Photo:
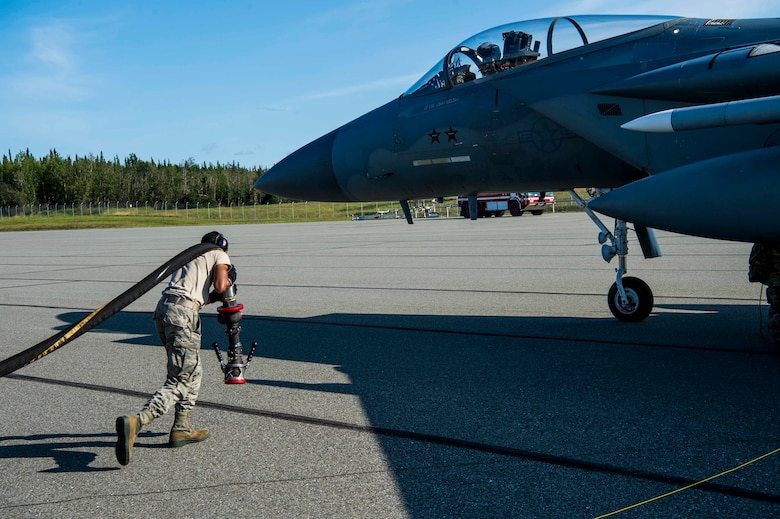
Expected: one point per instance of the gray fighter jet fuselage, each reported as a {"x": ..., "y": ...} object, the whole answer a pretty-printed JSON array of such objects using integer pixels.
[{"x": 661, "y": 115}]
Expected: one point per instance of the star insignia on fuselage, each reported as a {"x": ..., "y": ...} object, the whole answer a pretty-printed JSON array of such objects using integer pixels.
[
  {"x": 451, "y": 135},
  {"x": 547, "y": 135},
  {"x": 434, "y": 135}
]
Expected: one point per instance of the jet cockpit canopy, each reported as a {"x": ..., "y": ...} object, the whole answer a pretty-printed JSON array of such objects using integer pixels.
[{"x": 508, "y": 46}]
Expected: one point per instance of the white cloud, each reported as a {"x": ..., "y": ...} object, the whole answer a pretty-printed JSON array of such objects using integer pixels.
[
  {"x": 51, "y": 45},
  {"x": 53, "y": 68},
  {"x": 369, "y": 86}
]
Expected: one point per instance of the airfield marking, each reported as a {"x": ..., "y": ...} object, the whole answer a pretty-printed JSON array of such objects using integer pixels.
[{"x": 551, "y": 459}]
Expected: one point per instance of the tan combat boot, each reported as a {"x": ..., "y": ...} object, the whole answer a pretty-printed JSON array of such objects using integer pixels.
[
  {"x": 127, "y": 429},
  {"x": 181, "y": 434}
]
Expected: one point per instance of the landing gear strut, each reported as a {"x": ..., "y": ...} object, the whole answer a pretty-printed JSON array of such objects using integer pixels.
[{"x": 630, "y": 299}]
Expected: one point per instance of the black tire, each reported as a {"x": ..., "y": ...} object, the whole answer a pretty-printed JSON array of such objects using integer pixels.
[
  {"x": 514, "y": 208},
  {"x": 536, "y": 213},
  {"x": 640, "y": 301},
  {"x": 464, "y": 210}
]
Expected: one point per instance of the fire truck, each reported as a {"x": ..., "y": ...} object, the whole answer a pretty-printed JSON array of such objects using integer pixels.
[{"x": 516, "y": 203}]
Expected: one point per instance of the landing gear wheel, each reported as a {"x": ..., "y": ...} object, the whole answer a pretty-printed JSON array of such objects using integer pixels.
[{"x": 640, "y": 300}]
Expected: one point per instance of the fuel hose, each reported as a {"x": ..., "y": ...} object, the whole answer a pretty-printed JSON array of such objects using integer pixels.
[{"x": 62, "y": 338}]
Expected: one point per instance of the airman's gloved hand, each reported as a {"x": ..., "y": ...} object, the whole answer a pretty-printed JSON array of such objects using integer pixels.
[{"x": 214, "y": 296}]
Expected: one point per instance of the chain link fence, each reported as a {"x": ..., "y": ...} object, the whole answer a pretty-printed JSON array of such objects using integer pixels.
[{"x": 287, "y": 211}]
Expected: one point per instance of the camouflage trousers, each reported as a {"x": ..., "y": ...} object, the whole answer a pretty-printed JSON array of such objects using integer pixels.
[
  {"x": 773, "y": 298},
  {"x": 179, "y": 330}
]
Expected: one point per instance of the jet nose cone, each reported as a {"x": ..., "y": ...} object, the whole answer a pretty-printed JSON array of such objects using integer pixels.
[{"x": 306, "y": 174}]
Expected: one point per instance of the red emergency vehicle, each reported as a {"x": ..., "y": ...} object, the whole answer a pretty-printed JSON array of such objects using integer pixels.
[{"x": 516, "y": 203}]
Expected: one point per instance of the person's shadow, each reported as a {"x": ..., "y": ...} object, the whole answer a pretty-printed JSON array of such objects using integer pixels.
[{"x": 61, "y": 449}]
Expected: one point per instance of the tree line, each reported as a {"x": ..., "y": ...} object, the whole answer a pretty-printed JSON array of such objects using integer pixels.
[{"x": 53, "y": 178}]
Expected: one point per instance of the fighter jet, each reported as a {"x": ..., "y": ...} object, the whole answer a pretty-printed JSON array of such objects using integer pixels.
[{"x": 661, "y": 118}]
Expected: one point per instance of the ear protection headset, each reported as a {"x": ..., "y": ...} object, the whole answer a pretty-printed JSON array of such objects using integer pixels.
[{"x": 217, "y": 239}]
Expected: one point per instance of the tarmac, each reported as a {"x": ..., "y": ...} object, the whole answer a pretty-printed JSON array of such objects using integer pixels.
[{"x": 451, "y": 368}]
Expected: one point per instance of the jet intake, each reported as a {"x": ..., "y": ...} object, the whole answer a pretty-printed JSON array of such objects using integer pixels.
[{"x": 733, "y": 197}]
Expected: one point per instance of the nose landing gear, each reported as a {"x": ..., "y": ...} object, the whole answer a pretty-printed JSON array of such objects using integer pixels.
[{"x": 630, "y": 299}]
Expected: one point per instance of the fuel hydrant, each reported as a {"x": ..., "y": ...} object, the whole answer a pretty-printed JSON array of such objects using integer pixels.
[{"x": 230, "y": 314}]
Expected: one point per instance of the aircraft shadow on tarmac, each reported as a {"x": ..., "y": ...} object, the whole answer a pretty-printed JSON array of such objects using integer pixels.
[
  {"x": 589, "y": 391},
  {"x": 680, "y": 325},
  {"x": 607, "y": 401}
]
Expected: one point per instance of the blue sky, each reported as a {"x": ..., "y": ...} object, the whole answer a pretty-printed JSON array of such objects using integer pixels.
[{"x": 238, "y": 80}]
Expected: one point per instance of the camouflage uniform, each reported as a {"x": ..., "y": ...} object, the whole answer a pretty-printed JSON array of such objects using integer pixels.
[
  {"x": 177, "y": 320},
  {"x": 764, "y": 267},
  {"x": 179, "y": 330}
]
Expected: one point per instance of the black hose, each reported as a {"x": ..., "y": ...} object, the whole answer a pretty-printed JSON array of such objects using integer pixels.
[{"x": 62, "y": 338}]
